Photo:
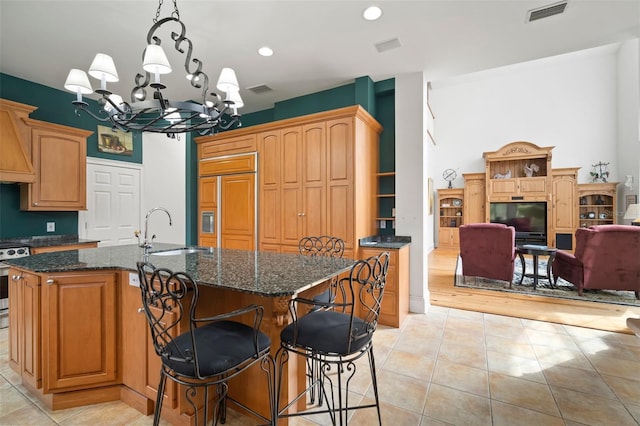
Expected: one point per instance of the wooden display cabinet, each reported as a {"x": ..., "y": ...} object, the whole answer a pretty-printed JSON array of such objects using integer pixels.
[
  {"x": 562, "y": 223},
  {"x": 506, "y": 173},
  {"x": 597, "y": 204},
  {"x": 450, "y": 205}
]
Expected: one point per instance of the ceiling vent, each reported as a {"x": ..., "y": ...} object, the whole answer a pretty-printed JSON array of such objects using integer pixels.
[
  {"x": 260, "y": 88},
  {"x": 383, "y": 46},
  {"x": 546, "y": 11}
]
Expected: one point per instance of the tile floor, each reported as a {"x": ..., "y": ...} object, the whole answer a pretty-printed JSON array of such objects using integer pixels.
[{"x": 447, "y": 367}]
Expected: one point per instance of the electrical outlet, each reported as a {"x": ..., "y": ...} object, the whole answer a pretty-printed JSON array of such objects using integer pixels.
[
  {"x": 51, "y": 227},
  {"x": 134, "y": 280}
]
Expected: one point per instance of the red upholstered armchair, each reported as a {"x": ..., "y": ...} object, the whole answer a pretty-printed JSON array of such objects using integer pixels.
[
  {"x": 488, "y": 250},
  {"x": 607, "y": 257}
]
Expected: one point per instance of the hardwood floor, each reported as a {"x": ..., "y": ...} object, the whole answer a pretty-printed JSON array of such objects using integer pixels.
[{"x": 601, "y": 316}]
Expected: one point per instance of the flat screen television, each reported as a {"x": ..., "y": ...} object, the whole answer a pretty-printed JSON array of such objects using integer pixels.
[{"x": 528, "y": 218}]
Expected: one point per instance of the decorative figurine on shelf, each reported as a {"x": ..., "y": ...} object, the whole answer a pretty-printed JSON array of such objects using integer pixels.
[
  {"x": 504, "y": 176},
  {"x": 530, "y": 170},
  {"x": 600, "y": 172}
]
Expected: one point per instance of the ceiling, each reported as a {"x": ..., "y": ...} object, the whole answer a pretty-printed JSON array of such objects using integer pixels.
[{"x": 318, "y": 44}]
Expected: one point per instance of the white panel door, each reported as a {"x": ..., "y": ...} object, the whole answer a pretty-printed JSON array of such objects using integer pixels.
[{"x": 114, "y": 202}]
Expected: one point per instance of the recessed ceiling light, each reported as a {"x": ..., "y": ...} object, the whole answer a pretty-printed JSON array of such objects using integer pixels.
[
  {"x": 265, "y": 51},
  {"x": 372, "y": 13}
]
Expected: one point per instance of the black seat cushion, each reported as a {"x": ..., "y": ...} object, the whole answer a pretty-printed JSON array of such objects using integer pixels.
[
  {"x": 326, "y": 332},
  {"x": 221, "y": 346}
]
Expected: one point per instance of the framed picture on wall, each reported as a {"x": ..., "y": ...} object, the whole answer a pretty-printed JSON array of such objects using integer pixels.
[
  {"x": 114, "y": 141},
  {"x": 630, "y": 199}
]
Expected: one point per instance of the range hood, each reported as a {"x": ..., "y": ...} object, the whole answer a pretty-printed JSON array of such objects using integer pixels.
[{"x": 15, "y": 149}]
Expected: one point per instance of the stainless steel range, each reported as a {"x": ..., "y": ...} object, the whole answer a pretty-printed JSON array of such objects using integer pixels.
[{"x": 7, "y": 251}]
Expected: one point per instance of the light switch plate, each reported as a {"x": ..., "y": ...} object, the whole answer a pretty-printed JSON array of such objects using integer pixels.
[
  {"x": 134, "y": 280},
  {"x": 51, "y": 227}
]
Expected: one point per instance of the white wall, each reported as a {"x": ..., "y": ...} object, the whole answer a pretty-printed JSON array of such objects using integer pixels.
[
  {"x": 411, "y": 184},
  {"x": 628, "y": 120},
  {"x": 163, "y": 185},
  {"x": 568, "y": 101}
]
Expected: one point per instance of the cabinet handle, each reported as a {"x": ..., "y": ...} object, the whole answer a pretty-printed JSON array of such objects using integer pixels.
[
  {"x": 35, "y": 204},
  {"x": 140, "y": 310},
  {"x": 50, "y": 281},
  {"x": 16, "y": 277}
]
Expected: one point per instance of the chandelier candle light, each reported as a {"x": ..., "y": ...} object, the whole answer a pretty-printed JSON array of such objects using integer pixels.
[{"x": 159, "y": 114}]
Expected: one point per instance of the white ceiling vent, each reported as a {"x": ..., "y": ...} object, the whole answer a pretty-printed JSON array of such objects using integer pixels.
[
  {"x": 383, "y": 46},
  {"x": 546, "y": 11},
  {"x": 260, "y": 88}
]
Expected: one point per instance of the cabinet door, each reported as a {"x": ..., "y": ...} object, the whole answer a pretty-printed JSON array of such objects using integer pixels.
[
  {"x": 24, "y": 326},
  {"x": 474, "y": 201},
  {"x": 314, "y": 180},
  {"x": 340, "y": 186},
  {"x": 564, "y": 196},
  {"x": 79, "y": 326},
  {"x": 269, "y": 193},
  {"x": 291, "y": 185},
  {"x": 59, "y": 157},
  {"x": 237, "y": 213},
  {"x": 207, "y": 211}
]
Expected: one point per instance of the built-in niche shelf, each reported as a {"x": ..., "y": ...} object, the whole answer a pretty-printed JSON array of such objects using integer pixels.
[{"x": 386, "y": 196}]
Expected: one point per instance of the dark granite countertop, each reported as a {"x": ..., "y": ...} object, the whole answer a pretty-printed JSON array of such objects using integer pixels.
[
  {"x": 44, "y": 241},
  {"x": 385, "y": 241},
  {"x": 263, "y": 273}
]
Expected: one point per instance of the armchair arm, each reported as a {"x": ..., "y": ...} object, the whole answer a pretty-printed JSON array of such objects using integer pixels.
[{"x": 563, "y": 256}]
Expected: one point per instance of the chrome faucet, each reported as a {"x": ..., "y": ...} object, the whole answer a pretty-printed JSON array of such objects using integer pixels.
[{"x": 146, "y": 243}]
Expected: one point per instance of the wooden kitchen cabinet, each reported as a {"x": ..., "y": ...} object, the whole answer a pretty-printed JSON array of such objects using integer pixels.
[
  {"x": 317, "y": 176},
  {"x": 79, "y": 330},
  {"x": 24, "y": 327},
  {"x": 58, "y": 156},
  {"x": 395, "y": 301},
  {"x": 15, "y": 162}
]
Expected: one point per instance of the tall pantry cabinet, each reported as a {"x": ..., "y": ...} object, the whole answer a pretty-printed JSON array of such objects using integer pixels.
[{"x": 316, "y": 176}]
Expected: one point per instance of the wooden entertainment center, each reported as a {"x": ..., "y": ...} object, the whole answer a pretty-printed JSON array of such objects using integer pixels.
[{"x": 521, "y": 172}]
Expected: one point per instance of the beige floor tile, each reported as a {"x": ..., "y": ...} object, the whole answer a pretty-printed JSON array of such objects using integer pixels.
[
  {"x": 511, "y": 415},
  {"x": 555, "y": 340},
  {"x": 104, "y": 414},
  {"x": 423, "y": 346},
  {"x": 457, "y": 407},
  {"x": 590, "y": 409},
  {"x": 634, "y": 409},
  {"x": 465, "y": 337},
  {"x": 518, "y": 346},
  {"x": 579, "y": 380},
  {"x": 616, "y": 367},
  {"x": 12, "y": 400},
  {"x": 516, "y": 366},
  {"x": 544, "y": 326},
  {"x": 627, "y": 390},
  {"x": 410, "y": 365},
  {"x": 401, "y": 391},
  {"x": 496, "y": 320},
  {"x": 472, "y": 356},
  {"x": 428, "y": 421},
  {"x": 550, "y": 357},
  {"x": 391, "y": 415},
  {"x": 522, "y": 393},
  {"x": 469, "y": 315},
  {"x": 26, "y": 415},
  {"x": 506, "y": 331},
  {"x": 609, "y": 348},
  {"x": 462, "y": 324},
  {"x": 461, "y": 377}
]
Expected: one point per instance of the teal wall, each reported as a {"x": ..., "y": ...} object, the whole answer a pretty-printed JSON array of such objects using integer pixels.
[{"x": 55, "y": 106}]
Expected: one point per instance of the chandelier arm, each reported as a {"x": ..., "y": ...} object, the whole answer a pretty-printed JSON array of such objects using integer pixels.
[{"x": 85, "y": 107}]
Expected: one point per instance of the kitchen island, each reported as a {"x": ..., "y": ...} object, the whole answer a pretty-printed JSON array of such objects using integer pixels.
[{"x": 76, "y": 335}]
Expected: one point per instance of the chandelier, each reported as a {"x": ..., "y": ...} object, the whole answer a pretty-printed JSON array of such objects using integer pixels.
[{"x": 157, "y": 113}]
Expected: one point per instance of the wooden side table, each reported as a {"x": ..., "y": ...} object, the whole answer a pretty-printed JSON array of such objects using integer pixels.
[{"x": 536, "y": 251}]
